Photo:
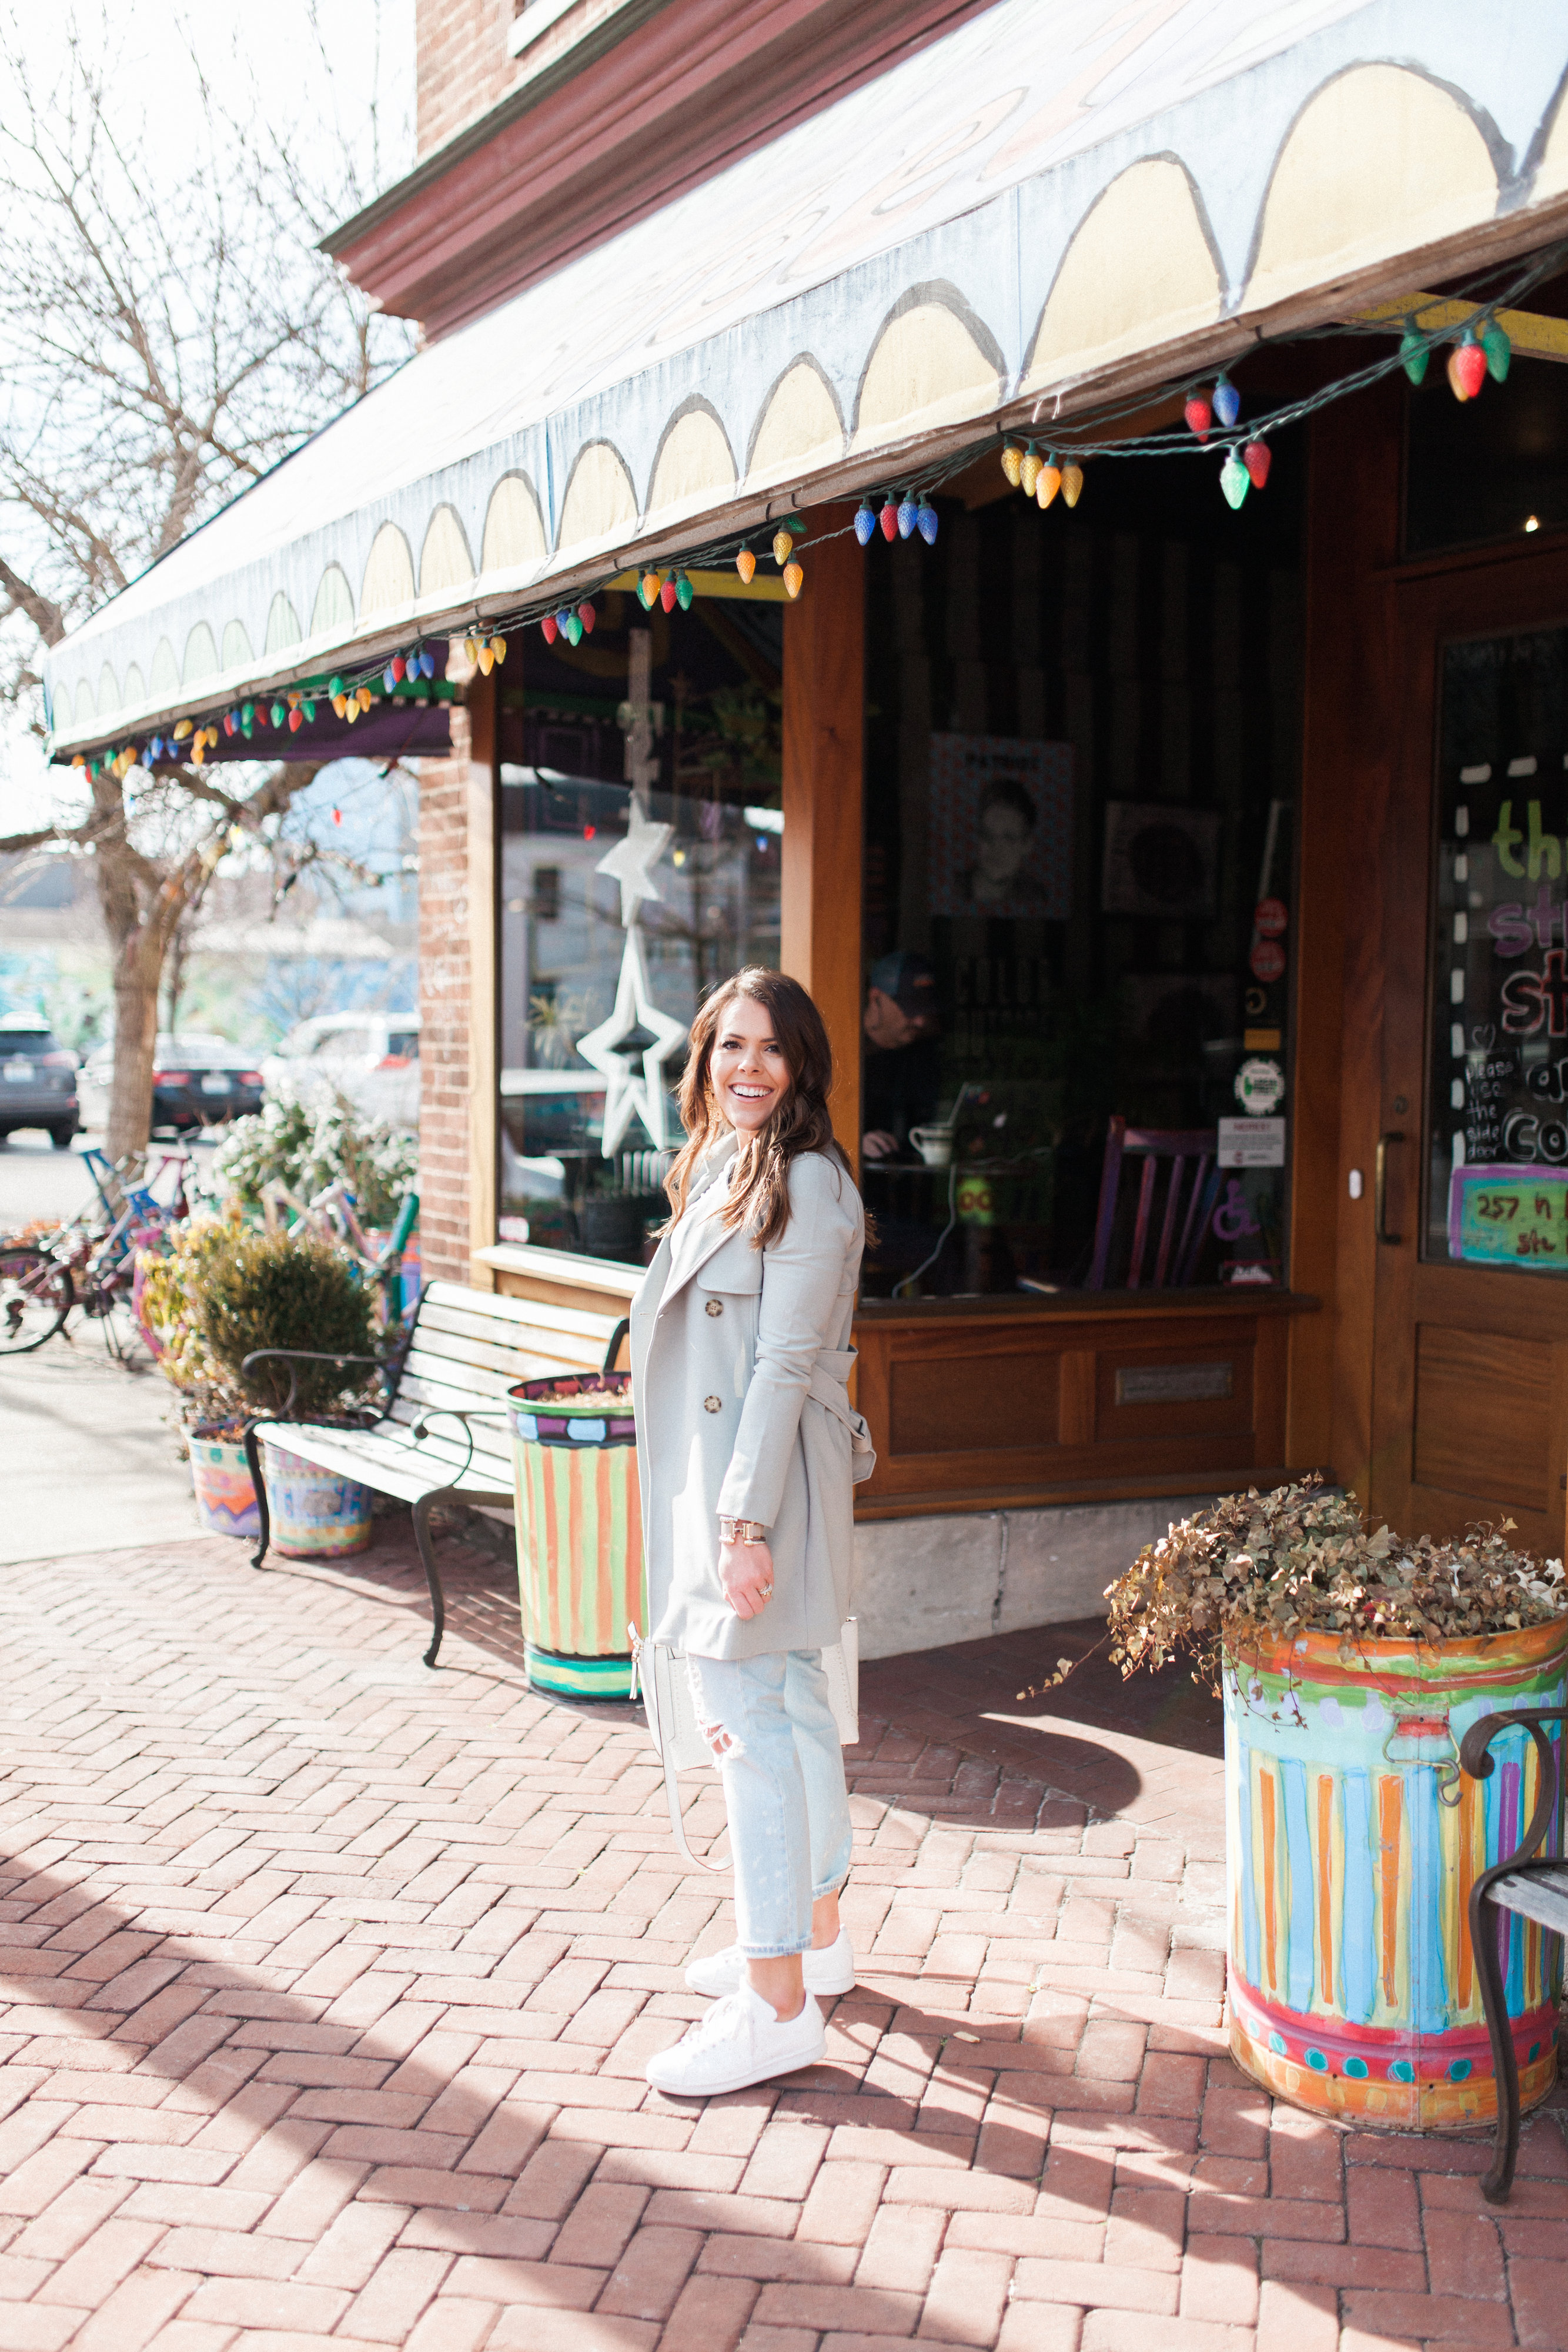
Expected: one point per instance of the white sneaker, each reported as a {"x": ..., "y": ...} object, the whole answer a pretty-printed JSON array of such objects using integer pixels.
[
  {"x": 740, "y": 2041},
  {"x": 831, "y": 1971}
]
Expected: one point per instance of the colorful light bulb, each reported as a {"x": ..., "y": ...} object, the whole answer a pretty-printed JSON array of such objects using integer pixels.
[
  {"x": 888, "y": 518},
  {"x": 865, "y": 522},
  {"x": 574, "y": 628},
  {"x": 1414, "y": 353},
  {"x": 746, "y": 564},
  {"x": 388, "y": 679},
  {"x": 182, "y": 728},
  {"x": 929, "y": 520},
  {"x": 399, "y": 669},
  {"x": 309, "y": 708},
  {"x": 296, "y": 720},
  {"x": 426, "y": 662},
  {"x": 486, "y": 657},
  {"x": 1227, "y": 401},
  {"x": 1048, "y": 484},
  {"x": 685, "y": 591},
  {"x": 783, "y": 540},
  {"x": 794, "y": 579},
  {"x": 550, "y": 628},
  {"x": 1258, "y": 457},
  {"x": 1498, "y": 350},
  {"x": 498, "y": 647},
  {"x": 231, "y": 722},
  {"x": 1012, "y": 462},
  {"x": 1199, "y": 413},
  {"x": 587, "y": 615},
  {"x": 648, "y": 589},
  {"x": 668, "y": 592},
  {"x": 908, "y": 514},
  {"x": 1029, "y": 471},
  {"x": 1071, "y": 482},
  {"x": 1234, "y": 478},
  {"x": 1466, "y": 368},
  {"x": 279, "y": 713}
]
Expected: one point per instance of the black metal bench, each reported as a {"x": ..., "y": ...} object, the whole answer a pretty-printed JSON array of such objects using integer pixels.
[
  {"x": 1530, "y": 1885},
  {"x": 439, "y": 1435}
]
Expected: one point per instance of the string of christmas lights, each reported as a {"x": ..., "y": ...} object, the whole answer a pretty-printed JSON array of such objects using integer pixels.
[{"x": 1478, "y": 348}]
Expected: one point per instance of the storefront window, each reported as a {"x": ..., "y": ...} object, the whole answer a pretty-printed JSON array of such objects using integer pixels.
[
  {"x": 652, "y": 748},
  {"x": 1497, "y": 1100},
  {"x": 1082, "y": 735}
]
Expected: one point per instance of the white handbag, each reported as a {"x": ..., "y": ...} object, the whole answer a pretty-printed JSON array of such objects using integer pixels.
[{"x": 659, "y": 1670}]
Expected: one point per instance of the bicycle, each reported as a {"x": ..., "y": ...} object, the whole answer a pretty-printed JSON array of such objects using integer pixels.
[
  {"x": 88, "y": 1264},
  {"x": 332, "y": 1216}
]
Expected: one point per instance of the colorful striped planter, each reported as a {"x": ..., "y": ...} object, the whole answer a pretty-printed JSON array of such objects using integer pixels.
[
  {"x": 579, "y": 1534},
  {"x": 226, "y": 1497},
  {"x": 1352, "y": 1843},
  {"x": 315, "y": 1515}
]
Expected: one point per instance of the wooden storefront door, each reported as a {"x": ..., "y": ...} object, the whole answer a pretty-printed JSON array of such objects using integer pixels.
[{"x": 1469, "y": 1403}]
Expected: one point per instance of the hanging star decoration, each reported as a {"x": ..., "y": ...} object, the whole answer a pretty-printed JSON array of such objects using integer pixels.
[
  {"x": 608, "y": 1049},
  {"x": 632, "y": 860}
]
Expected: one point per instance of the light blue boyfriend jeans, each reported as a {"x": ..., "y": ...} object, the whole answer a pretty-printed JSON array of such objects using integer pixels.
[{"x": 783, "y": 1774}]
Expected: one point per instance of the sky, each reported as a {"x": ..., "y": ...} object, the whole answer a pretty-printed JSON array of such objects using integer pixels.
[{"x": 363, "y": 95}]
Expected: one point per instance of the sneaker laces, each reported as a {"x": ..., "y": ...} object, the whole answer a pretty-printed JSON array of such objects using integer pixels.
[{"x": 721, "y": 2022}]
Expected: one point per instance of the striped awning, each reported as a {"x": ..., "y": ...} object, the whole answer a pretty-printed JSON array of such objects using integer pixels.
[{"x": 1046, "y": 200}]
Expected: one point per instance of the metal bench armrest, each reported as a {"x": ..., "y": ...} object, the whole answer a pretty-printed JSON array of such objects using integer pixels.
[
  {"x": 464, "y": 1413},
  {"x": 1476, "y": 1759}
]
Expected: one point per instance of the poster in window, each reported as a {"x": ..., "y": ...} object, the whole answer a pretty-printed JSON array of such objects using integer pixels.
[
  {"x": 1160, "y": 860},
  {"x": 1001, "y": 827}
]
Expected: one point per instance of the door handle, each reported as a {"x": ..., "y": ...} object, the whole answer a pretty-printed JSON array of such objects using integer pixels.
[{"x": 1379, "y": 1186}]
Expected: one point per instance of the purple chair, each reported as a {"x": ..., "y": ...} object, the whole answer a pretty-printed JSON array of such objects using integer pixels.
[{"x": 1189, "y": 1154}]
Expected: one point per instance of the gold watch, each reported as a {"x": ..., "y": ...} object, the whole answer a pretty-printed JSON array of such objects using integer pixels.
[{"x": 746, "y": 1531}]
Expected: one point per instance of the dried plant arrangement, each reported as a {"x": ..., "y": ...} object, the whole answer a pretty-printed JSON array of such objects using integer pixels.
[{"x": 1254, "y": 1571}]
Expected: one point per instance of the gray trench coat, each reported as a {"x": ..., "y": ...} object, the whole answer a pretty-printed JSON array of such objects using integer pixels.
[{"x": 739, "y": 1360}]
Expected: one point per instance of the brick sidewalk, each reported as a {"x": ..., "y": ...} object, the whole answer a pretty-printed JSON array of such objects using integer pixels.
[{"x": 331, "y": 1982}]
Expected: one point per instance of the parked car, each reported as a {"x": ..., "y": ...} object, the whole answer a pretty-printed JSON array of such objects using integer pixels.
[
  {"x": 37, "y": 1080},
  {"x": 198, "y": 1080},
  {"x": 372, "y": 1059}
]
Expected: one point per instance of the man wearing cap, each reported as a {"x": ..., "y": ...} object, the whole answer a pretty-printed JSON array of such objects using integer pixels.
[{"x": 901, "y": 1073}]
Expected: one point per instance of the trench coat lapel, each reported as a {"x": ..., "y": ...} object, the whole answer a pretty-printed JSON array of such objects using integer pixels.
[{"x": 698, "y": 1236}]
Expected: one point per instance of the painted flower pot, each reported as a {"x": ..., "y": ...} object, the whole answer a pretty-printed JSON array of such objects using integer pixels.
[
  {"x": 1353, "y": 1841},
  {"x": 316, "y": 1514},
  {"x": 579, "y": 1532},
  {"x": 226, "y": 1497}
]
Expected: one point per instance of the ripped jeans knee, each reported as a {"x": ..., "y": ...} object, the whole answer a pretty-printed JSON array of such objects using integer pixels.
[{"x": 768, "y": 1727}]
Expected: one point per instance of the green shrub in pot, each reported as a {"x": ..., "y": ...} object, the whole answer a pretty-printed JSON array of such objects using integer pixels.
[{"x": 273, "y": 1290}]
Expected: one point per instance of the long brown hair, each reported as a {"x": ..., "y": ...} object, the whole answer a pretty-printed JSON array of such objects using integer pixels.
[{"x": 759, "y": 1189}]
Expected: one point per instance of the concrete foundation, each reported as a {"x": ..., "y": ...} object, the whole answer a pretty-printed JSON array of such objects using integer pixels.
[{"x": 921, "y": 1583}]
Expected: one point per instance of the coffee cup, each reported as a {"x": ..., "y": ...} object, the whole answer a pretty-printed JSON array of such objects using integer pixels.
[{"x": 935, "y": 1145}]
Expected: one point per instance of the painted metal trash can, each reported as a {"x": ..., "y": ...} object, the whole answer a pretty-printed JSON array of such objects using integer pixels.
[
  {"x": 579, "y": 1530},
  {"x": 316, "y": 1514},
  {"x": 220, "y": 1479},
  {"x": 1352, "y": 1843}
]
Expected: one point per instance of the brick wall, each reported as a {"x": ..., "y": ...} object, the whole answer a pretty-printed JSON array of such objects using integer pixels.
[
  {"x": 444, "y": 1007},
  {"x": 463, "y": 65}
]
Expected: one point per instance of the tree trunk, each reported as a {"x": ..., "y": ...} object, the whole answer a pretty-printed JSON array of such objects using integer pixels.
[{"x": 136, "y": 977}]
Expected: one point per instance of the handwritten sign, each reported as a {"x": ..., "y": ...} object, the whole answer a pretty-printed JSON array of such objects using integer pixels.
[{"x": 1510, "y": 1216}]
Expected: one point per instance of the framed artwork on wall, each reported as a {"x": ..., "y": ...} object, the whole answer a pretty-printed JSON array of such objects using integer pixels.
[{"x": 1001, "y": 827}]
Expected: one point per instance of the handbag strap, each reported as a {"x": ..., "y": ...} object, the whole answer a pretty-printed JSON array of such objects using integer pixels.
[{"x": 665, "y": 1746}]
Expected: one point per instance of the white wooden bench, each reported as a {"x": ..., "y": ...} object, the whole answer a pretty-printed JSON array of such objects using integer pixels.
[
  {"x": 1532, "y": 1885},
  {"x": 442, "y": 1436}
]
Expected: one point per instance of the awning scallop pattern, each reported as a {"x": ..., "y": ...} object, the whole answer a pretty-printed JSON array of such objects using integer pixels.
[{"x": 999, "y": 216}]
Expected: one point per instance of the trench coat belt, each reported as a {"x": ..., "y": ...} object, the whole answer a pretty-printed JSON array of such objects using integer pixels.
[{"x": 828, "y": 1387}]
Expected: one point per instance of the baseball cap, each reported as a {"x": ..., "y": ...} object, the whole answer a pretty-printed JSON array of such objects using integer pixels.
[{"x": 908, "y": 980}]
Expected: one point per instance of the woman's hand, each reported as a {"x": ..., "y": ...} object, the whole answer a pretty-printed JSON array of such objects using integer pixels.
[{"x": 746, "y": 1577}]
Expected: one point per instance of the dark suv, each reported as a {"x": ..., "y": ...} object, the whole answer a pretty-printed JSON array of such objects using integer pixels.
[{"x": 38, "y": 1081}]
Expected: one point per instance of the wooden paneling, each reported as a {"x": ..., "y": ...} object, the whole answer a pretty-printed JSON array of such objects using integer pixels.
[
  {"x": 1482, "y": 1415},
  {"x": 939, "y": 1403},
  {"x": 1012, "y": 1401},
  {"x": 824, "y": 722},
  {"x": 1348, "y": 746}
]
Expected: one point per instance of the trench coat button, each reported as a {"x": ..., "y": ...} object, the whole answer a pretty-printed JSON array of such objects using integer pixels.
[
  {"x": 716, "y": 1306},
  {"x": 712, "y": 1405}
]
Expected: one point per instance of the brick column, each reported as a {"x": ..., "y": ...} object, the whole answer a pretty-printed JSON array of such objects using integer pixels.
[{"x": 444, "y": 979}]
